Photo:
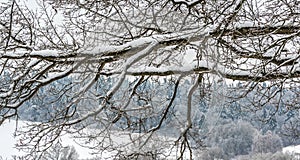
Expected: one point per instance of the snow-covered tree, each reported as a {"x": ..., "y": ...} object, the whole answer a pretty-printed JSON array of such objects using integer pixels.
[
  {"x": 235, "y": 138},
  {"x": 291, "y": 131},
  {"x": 212, "y": 154},
  {"x": 136, "y": 42},
  {"x": 267, "y": 143}
]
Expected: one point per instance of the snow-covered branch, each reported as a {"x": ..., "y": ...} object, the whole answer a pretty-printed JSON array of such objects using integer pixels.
[{"x": 103, "y": 63}]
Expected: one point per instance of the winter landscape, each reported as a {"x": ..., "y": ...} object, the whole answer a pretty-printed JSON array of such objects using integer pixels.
[{"x": 148, "y": 79}]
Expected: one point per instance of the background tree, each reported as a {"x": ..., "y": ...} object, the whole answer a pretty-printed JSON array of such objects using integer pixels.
[
  {"x": 267, "y": 143},
  {"x": 233, "y": 138}
]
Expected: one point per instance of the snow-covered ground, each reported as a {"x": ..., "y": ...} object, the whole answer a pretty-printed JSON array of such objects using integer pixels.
[
  {"x": 8, "y": 150},
  {"x": 7, "y": 142},
  {"x": 294, "y": 150}
]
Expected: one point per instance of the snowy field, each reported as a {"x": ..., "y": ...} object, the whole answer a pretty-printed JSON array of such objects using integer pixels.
[
  {"x": 7, "y": 142},
  {"x": 294, "y": 150},
  {"x": 8, "y": 150}
]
